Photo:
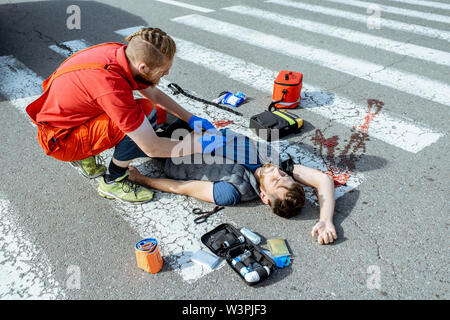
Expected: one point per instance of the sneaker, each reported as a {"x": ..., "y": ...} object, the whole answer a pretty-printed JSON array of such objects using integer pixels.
[
  {"x": 124, "y": 190},
  {"x": 91, "y": 167}
]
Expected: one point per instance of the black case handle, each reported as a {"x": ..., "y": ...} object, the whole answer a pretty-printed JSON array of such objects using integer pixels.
[{"x": 272, "y": 105}]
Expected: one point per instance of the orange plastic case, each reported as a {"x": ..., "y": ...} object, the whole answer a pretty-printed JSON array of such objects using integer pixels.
[{"x": 287, "y": 89}]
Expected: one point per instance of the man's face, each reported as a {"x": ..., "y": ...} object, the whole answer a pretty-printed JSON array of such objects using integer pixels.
[
  {"x": 274, "y": 182},
  {"x": 152, "y": 77}
]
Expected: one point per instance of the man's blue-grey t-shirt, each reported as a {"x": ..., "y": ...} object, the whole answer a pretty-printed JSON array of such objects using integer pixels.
[{"x": 225, "y": 193}]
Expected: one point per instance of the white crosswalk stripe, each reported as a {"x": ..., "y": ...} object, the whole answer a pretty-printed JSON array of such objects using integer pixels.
[
  {"x": 127, "y": 31},
  {"x": 361, "y": 18},
  {"x": 69, "y": 47},
  {"x": 19, "y": 85},
  {"x": 410, "y": 83},
  {"x": 66, "y": 49},
  {"x": 430, "y": 4},
  {"x": 186, "y": 5},
  {"x": 25, "y": 271},
  {"x": 395, "y": 10},
  {"x": 401, "y": 48}
]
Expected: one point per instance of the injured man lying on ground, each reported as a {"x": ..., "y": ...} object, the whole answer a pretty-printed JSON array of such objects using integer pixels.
[{"x": 241, "y": 169}]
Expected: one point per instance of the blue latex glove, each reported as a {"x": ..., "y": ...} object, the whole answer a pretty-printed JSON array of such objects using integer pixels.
[
  {"x": 197, "y": 124},
  {"x": 211, "y": 142}
]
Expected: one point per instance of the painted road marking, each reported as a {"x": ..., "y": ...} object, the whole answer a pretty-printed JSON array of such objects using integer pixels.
[
  {"x": 25, "y": 270},
  {"x": 127, "y": 31},
  {"x": 19, "y": 84},
  {"x": 66, "y": 49},
  {"x": 395, "y": 10},
  {"x": 361, "y": 18},
  {"x": 402, "y": 48},
  {"x": 186, "y": 5},
  {"x": 431, "y": 4},
  {"x": 69, "y": 47},
  {"x": 399, "y": 132},
  {"x": 410, "y": 83}
]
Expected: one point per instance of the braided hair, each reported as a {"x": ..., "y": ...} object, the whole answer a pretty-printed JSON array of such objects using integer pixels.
[{"x": 150, "y": 45}]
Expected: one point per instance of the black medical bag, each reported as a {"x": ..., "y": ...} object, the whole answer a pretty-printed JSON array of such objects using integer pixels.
[
  {"x": 270, "y": 123},
  {"x": 246, "y": 259}
]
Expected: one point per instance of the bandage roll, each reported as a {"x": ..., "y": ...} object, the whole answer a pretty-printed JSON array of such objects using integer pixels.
[{"x": 148, "y": 257}]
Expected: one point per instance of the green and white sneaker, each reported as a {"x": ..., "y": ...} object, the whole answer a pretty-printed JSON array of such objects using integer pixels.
[
  {"x": 124, "y": 190},
  {"x": 91, "y": 167}
]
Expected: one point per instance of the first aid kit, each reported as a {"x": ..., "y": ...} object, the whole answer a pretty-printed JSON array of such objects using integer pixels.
[
  {"x": 148, "y": 256},
  {"x": 287, "y": 89},
  {"x": 247, "y": 259}
]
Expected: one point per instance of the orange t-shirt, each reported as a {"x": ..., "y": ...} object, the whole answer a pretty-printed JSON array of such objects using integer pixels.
[{"x": 78, "y": 96}]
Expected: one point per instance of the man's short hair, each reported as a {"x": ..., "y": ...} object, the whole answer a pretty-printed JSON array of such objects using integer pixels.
[
  {"x": 152, "y": 46},
  {"x": 291, "y": 204}
]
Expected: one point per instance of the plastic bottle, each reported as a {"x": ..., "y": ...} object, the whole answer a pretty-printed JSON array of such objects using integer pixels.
[
  {"x": 243, "y": 270},
  {"x": 250, "y": 275},
  {"x": 226, "y": 244},
  {"x": 254, "y": 238},
  {"x": 253, "y": 276}
]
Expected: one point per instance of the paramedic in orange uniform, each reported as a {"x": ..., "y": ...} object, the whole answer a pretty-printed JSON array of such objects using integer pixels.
[{"x": 88, "y": 106}]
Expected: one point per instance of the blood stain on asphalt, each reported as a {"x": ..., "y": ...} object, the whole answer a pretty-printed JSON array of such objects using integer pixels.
[{"x": 349, "y": 156}]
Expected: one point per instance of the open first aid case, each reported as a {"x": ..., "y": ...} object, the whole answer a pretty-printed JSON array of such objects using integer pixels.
[{"x": 245, "y": 258}]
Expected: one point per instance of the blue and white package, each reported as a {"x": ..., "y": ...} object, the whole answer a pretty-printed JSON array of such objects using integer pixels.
[{"x": 233, "y": 99}]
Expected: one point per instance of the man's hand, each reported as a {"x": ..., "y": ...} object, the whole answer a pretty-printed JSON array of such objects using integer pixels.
[
  {"x": 325, "y": 232},
  {"x": 134, "y": 174}
]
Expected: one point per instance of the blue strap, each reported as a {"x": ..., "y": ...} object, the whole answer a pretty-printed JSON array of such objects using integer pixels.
[{"x": 147, "y": 245}]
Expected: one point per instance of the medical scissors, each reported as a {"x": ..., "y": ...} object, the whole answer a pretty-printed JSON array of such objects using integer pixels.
[{"x": 204, "y": 214}]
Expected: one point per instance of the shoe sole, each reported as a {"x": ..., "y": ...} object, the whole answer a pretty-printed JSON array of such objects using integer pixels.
[
  {"x": 83, "y": 173},
  {"x": 111, "y": 196}
]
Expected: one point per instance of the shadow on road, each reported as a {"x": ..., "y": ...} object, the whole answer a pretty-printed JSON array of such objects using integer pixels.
[{"x": 27, "y": 29}]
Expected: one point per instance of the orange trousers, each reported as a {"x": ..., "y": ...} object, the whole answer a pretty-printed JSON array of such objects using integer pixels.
[{"x": 89, "y": 139}]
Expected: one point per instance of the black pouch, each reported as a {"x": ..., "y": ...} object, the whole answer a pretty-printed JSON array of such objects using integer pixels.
[
  {"x": 270, "y": 125},
  {"x": 246, "y": 259}
]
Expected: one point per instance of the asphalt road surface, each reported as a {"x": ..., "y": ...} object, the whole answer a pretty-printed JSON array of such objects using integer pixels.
[{"x": 375, "y": 104}]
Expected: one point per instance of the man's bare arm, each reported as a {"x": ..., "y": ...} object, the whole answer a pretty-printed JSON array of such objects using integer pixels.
[
  {"x": 166, "y": 102},
  {"x": 202, "y": 190},
  {"x": 324, "y": 184}
]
